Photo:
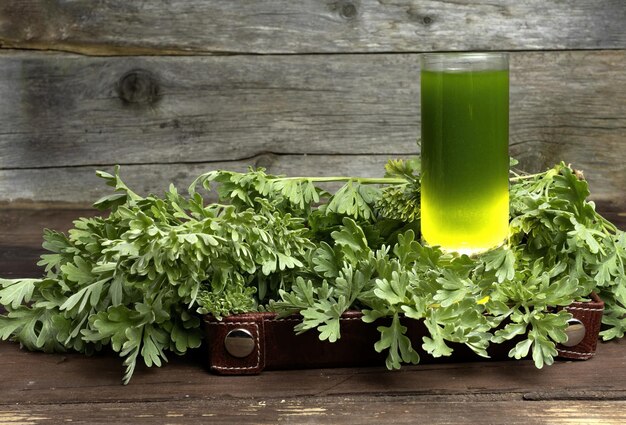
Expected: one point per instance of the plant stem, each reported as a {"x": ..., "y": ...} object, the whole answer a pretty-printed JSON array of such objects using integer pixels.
[
  {"x": 362, "y": 180},
  {"x": 525, "y": 177}
]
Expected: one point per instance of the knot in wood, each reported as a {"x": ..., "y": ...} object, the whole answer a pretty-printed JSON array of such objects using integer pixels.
[
  {"x": 265, "y": 160},
  {"x": 138, "y": 86},
  {"x": 347, "y": 10}
]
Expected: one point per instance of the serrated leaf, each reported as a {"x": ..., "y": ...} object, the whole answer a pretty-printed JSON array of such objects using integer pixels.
[
  {"x": 110, "y": 201},
  {"x": 454, "y": 288},
  {"x": 392, "y": 291},
  {"x": 183, "y": 339},
  {"x": 153, "y": 343},
  {"x": 330, "y": 330},
  {"x": 407, "y": 249},
  {"x": 15, "y": 293},
  {"x": 586, "y": 236},
  {"x": 79, "y": 271},
  {"x": 325, "y": 261},
  {"x": 89, "y": 295},
  {"x": 351, "y": 235},
  {"x": 510, "y": 331},
  {"x": 608, "y": 269},
  {"x": 521, "y": 349},
  {"x": 435, "y": 344},
  {"x": 502, "y": 260},
  {"x": 408, "y": 169},
  {"x": 544, "y": 351},
  {"x": 349, "y": 201},
  {"x": 394, "y": 339}
]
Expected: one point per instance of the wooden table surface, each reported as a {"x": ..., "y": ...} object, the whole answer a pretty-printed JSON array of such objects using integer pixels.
[
  {"x": 38, "y": 388},
  {"x": 61, "y": 388}
]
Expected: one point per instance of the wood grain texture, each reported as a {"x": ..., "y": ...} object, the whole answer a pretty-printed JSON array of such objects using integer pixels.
[
  {"x": 35, "y": 378},
  {"x": 62, "y": 116},
  {"x": 285, "y": 26},
  {"x": 55, "y": 388},
  {"x": 344, "y": 410}
]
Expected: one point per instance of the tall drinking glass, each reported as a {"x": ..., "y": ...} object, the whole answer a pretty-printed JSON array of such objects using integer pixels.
[{"x": 465, "y": 150}]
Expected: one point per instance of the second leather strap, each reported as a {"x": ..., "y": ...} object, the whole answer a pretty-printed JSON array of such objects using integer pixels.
[{"x": 250, "y": 343}]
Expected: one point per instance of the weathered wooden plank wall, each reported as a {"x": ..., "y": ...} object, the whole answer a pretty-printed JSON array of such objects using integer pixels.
[
  {"x": 63, "y": 117},
  {"x": 172, "y": 88},
  {"x": 310, "y": 26}
]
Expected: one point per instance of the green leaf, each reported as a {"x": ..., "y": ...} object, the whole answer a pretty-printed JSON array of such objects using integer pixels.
[
  {"x": 454, "y": 288},
  {"x": 350, "y": 235},
  {"x": 510, "y": 331},
  {"x": 435, "y": 344},
  {"x": 325, "y": 261},
  {"x": 14, "y": 322},
  {"x": 393, "y": 291},
  {"x": 544, "y": 351},
  {"x": 351, "y": 283},
  {"x": 110, "y": 201},
  {"x": 88, "y": 296},
  {"x": 33, "y": 328},
  {"x": 299, "y": 192},
  {"x": 114, "y": 180},
  {"x": 582, "y": 234},
  {"x": 79, "y": 271},
  {"x": 183, "y": 339},
  {"x": 16, "y": 292},
  {"x": 330, "y": 330},
  {"x": 407, "y": 249},
  {"x": 352, "y": 200},
  {"x": 521, "y": 349},
  {"x": 110, "y": 325},
  {"x": 502, "y": 260},
  {"x": 154, "y": 342},
  {"x": 351, "y": 239},
  {"x": 394, "y": 339},
  {"x": 408, "y": 169},
  {"x": 116, "y": 290}
]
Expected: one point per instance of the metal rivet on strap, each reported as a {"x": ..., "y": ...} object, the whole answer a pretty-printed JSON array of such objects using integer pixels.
[
  {"x": 239, "y": 343},
  {"x": 575, "y": 332}
]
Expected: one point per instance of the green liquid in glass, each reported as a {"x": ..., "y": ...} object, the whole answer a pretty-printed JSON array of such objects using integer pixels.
[{"x": 465, "y": 161}]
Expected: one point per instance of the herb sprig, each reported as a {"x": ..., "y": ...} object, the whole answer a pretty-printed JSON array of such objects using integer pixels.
[{"x": 139, "y": 279}]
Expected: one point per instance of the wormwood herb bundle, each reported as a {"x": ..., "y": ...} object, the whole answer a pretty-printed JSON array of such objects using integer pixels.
[{"x": 140, "y": 279}]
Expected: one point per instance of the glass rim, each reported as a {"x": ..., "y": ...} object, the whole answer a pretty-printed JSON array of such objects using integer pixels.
[{"x": 465, "y": 61}]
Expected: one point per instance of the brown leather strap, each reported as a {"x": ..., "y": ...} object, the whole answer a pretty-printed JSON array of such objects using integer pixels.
[
  {"x": 590, "y": 315},
  {"x": 274, "y": 345},
  {"x": 278, "y": 347},
  {"x": 220, "y": 360}
]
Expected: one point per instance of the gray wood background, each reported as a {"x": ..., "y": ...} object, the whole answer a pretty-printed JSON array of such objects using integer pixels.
[{"x": 170, "y": 89}]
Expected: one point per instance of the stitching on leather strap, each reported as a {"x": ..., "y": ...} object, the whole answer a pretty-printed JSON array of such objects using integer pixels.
[
  {"x": 258, "y": 347},
  {"x": 300, "y": 320},
  {"x": 577, "y": 352},
  {"x": 584, "y": 309},
  {"x": 237, "y": 323}
]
